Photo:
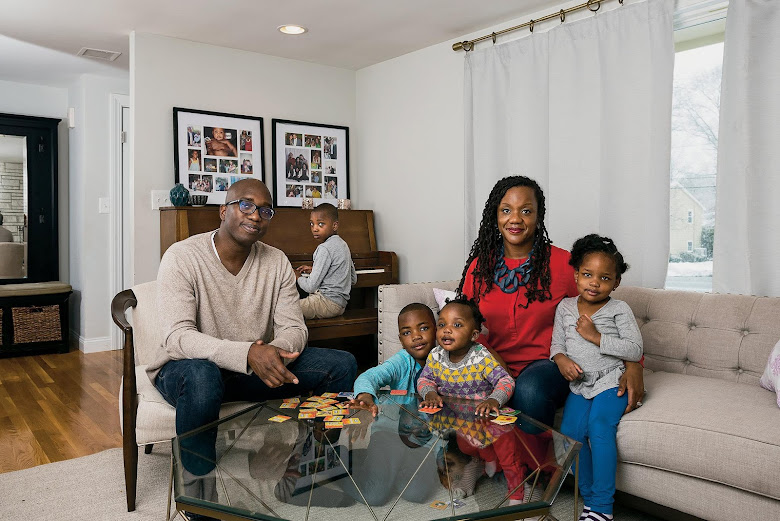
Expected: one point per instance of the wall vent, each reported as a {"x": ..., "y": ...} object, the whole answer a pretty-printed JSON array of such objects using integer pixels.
[{"x": 99, "y": 54}]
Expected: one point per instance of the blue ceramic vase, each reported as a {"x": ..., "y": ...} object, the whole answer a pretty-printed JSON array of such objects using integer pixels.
[{"x": 180, "y": 196}]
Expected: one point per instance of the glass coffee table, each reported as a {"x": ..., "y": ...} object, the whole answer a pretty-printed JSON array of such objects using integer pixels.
[{"x": 403, "y": 465}]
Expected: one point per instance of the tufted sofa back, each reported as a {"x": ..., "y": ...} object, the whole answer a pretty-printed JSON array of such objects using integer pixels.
[{"x": 728, "y": 337}]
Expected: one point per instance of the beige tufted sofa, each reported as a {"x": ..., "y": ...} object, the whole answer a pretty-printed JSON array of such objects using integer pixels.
[{"x": 706, "y": 442}]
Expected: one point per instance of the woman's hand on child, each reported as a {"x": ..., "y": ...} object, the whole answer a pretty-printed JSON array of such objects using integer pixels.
[
  {"x": 432, "y": 399},
  {"x": 485, "y": 408},
  {"x": 587, "y": 329},
  {"x": 365, "y": 401},
  {"x": 568, "y": 367}
]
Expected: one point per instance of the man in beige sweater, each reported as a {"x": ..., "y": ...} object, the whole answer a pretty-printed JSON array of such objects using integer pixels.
[{"x": 233, "y": 328}]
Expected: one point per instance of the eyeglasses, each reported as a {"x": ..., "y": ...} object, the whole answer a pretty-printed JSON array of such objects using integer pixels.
[{"x": 248, "y": 207}]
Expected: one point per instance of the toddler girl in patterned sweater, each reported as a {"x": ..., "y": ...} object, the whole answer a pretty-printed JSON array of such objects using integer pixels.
[{"x": 459, "y": 366}]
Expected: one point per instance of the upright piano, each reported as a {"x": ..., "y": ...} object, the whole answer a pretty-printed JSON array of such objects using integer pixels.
[{"x": 289, "y": 231}]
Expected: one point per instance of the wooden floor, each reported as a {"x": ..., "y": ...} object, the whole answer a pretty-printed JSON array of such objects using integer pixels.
[{"x": 57, "y": 407}]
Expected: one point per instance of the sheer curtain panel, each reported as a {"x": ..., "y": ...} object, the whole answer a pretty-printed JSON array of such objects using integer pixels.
[
  {"x": 585, "y": 109},
  {"x": 747, "y": 217}
]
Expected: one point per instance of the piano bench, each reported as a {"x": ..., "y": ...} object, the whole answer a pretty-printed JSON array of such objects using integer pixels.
[{"x": 354, "y": 322}]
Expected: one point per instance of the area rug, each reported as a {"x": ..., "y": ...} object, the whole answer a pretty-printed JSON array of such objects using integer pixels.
[{"x": 92, "y": 489}]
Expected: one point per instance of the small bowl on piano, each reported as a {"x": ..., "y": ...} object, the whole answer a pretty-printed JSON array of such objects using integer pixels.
[{"x": 198, "y": 200}]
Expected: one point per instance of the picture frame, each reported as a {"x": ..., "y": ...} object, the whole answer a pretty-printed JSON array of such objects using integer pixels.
[
  {"x": 309, "y": 160},
  {"x": 322, "y": 463},
  {"x": 213, "y": 150}
]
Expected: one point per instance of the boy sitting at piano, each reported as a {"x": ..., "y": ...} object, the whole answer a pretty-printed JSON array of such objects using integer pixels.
[{"x": 332, "y": 274}]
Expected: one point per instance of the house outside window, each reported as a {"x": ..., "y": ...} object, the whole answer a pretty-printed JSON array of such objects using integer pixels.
[{"x": 699, "y": 32}]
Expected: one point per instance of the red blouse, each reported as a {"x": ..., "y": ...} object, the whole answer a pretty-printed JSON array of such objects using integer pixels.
[{"x": 523, "y": 335}]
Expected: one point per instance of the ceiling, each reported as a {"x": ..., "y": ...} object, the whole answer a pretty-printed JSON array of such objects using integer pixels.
[{"x": 349, "y": 34}]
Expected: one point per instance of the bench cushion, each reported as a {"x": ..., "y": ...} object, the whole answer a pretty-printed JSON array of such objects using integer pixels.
[
  {"x": 724, "y": 432},
  {"x": 34, "y": 288}
]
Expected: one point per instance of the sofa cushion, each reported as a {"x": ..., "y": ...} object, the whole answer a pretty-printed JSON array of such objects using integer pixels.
[{"x": 716, "y": 430}]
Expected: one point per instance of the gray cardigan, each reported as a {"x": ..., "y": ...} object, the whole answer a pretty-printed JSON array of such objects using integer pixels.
[{"x": 602, "y": 365}]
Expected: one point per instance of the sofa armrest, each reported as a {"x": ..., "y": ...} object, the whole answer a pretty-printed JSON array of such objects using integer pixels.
[{"x": 392, "y": 298}]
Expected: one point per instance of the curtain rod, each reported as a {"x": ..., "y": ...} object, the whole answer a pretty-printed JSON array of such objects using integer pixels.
[{"x": 468, "y": 45}]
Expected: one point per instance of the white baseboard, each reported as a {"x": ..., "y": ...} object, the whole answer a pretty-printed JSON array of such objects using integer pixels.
[{"x": 91, "y": 345}]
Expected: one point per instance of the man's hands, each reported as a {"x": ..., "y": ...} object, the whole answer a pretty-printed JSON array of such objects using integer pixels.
[
  {"x": 634, "y": 381},
  {"x": 365, "y": 401},
  {"x": 568, "y": 367},
  {"x": 266, "y": 362}
]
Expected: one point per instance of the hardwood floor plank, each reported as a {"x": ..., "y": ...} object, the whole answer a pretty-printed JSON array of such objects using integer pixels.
[{"x": 58, "y": 406}]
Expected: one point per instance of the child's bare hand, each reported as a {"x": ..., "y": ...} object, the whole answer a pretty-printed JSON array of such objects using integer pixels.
[
  {"x": 587, "y": 329},
  {"x": 365, "y": 401},
  {"x": 568, "y": 367},
  {"x": 485, "y": 408},
  {"x": 432, "y": 399},
  {"x": 303, "y": 269}
]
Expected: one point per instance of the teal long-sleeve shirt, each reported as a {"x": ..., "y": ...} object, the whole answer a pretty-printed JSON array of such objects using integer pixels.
[{"x": 400, "y": 371}]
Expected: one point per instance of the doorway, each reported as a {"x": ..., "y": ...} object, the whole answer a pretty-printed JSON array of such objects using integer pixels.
[{"x": 120, "y": 202}]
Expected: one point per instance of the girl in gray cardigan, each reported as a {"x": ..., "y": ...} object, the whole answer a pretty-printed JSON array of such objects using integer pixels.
[{"x": 593, "y": 335}]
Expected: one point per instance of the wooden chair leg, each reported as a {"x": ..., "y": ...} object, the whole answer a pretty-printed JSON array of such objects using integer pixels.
[
  {"x": 148, "y": 448},
  {"x": 131, "y": 472}
]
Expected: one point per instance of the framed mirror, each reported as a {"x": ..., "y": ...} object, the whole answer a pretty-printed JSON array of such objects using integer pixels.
[{"x": 28, "y": 199}]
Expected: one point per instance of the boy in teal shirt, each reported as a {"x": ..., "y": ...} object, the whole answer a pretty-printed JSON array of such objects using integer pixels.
[{"x": 417, "y": 332}]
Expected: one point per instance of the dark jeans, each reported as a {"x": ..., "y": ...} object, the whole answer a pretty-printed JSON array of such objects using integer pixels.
[
  {"x": 198, "y": 388},
  {"x": 539, "y": 390}
]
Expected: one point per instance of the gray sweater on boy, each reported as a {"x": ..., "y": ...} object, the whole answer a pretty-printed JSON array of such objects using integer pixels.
[
  {"x": 332, "y": 271},
  {"x": 602, "y": 365}
]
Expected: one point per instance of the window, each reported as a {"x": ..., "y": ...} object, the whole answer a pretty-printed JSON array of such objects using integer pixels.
[{"x": 695, "y": 118}]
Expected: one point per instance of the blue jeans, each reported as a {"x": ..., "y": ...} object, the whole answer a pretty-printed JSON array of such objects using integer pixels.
[
  {"x": 594, "y": 423},
  {"x": 198, "y": 388},
  {"x": 539, "y": 390}
]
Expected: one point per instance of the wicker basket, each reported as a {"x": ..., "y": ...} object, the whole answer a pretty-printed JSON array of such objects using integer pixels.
[{"x": 36, "y": 324}]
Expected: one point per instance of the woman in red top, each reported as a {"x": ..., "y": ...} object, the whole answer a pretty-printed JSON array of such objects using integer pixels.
[{"x": 518, "y": 278}]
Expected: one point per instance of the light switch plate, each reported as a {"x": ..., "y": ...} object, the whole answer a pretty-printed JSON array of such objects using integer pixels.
[
  {"x": 104, "y": 205},
  {"x": 160, "y": 198}
]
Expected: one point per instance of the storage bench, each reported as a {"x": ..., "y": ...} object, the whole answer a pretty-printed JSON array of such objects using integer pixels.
[{"x": 34, "y": 318}]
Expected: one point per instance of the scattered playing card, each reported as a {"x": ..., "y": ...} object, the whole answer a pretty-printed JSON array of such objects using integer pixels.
[
  {"x": 508, "y": 411},
  {"x": 290, "y": 405},
  {"x": 307, "y": 415},
  {"x": 351, "y": 421},
  {"x": 430, "y": 410},
  {"x": 333, "y": 418},
  {"x": 399, "y": 392},
  {"x": 458, "y": 503},
  {"x": 343, "y": 406},
  {"x": 309, "y": 405},
  {"x": 322, "y": 414},
  {"x": 345, "y": 394},
  {"x": 333, "y": 425},
  {"x": 504, "y": 420},
  {"x": 327, "y": 408},
  {"x": 330, "y": 395},
  {"x": 278, "y": 418},
  {"x": 291, "y": 400},
  {"x": 438, "y": 505}
]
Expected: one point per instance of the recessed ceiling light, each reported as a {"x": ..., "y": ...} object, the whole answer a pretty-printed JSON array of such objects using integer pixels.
[{"x": 292, "y": 29}]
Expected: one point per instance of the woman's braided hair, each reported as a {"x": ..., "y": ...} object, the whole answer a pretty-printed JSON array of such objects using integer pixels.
[{"x": 488, "y": 246}]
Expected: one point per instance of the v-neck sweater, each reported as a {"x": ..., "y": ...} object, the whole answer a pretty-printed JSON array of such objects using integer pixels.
[{"x": 206, "y": 312}]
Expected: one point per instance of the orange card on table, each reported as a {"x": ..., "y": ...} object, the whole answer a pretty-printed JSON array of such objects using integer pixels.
[
  {"x": 333, "y": 418},
  {"x": 309, "y": 405},
  {"x": 398, "y": 392},
  {"x": 307, "y": 415},
  {"x": 333, "y": 425},
  {"x": 278, "y": 418},
  {"x": 322, "y": 414},
  {"x": 351, "y": 421},
  {"x": 286, "y": 405},
  {"x": 330, "y": 395},
  {"x": 291, "y": 400}
]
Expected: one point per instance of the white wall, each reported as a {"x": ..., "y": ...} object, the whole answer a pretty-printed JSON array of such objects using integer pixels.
[
  {"x": 167, "y": 72},
  {"x": 410, "y": 118},
  {"x": 90, "y": 171},
  {"x": 47, "y": 102}
]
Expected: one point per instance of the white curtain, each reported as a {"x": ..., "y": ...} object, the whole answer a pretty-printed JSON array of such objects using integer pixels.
[
  {"x": 747, "y": 215},
  {"x": 585, "y": 110}
]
